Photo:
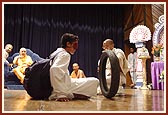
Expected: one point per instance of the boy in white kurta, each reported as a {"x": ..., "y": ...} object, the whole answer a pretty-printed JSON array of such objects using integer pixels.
[{"x": 64, "y": 87}]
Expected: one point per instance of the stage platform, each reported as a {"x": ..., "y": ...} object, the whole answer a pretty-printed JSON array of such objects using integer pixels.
[{"x": 134, "y": 100}]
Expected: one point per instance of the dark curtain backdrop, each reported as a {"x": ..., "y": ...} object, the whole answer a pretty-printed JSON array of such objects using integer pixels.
[{"x": 40, "y": 26}]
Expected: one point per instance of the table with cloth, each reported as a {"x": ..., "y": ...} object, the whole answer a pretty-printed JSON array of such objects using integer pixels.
[{"x": 156, "y": 70}]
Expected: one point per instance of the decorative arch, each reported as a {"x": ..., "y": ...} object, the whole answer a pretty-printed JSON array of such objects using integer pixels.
[{"x": 158, "y": 35}]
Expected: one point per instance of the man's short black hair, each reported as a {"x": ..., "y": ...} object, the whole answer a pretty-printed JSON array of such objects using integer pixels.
[{"x": 68, "y": 37}]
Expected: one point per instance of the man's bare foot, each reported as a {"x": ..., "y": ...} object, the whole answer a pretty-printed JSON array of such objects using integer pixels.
[{"x": 80, "y": 96}]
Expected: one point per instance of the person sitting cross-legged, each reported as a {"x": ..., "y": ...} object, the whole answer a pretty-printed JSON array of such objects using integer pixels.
[
  {"x": 77, "y": 72},
  {"x": 66, "y": 88},
  {"x": 22, "y": 61}
]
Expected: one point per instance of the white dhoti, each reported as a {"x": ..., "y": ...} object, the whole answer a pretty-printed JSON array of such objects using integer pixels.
[
  {"x": 63, "y": 85},
  {"x": 85, "y": 86}
]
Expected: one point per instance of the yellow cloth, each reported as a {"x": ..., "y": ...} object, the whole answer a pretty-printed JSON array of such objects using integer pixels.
[{"x": 22, "y": 63}]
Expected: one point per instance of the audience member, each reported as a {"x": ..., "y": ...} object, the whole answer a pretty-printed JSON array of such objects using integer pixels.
[
  {"x": 22, "y": 61},
  {"x": 66, "y": 88},
  {"x": 77, "y": 72},
  {"x": 6, "y": 51}
]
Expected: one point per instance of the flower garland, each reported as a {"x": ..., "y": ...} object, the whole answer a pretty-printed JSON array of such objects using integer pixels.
[
  {"x": 156, "y": 49},
  {"x": 140, "y": 33}
]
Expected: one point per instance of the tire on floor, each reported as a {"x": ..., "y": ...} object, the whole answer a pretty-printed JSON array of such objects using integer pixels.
[{"x": 111, "y": 91}]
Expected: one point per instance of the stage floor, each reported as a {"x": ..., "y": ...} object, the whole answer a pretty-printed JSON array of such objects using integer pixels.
[{"x": 135, "y": 100}]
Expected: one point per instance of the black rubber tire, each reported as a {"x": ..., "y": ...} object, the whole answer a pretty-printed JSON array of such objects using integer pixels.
[{"x": 115, "y": 76}]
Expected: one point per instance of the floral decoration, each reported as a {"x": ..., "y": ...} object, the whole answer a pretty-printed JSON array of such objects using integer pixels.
[
  {"x": 156, "y": 49},
  {"x": 140, "y": 33}
]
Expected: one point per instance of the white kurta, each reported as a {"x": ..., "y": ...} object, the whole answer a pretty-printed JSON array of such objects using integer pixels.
[
  {"x": 63, "y": 85},
  {"x": 132, "y": 65},
  {"x": 123, "y": 64},
  {"x": 132, "y": 61}
]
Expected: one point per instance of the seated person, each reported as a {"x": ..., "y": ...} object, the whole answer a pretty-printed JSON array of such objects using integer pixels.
[
  {"x": 77, "y": 73},
  {"x": 6, "y": 51},
  {"x": 22, "y": 61},
  {"x": 64, "y": 87}
]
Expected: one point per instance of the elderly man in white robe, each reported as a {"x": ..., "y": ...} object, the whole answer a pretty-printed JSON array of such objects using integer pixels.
[
  {"x": 64, "y": 87},
  {"x": 108, "y": 44}
]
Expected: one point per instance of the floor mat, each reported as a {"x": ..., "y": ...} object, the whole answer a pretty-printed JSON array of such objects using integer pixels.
[{"x": 15, "y": 87}]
